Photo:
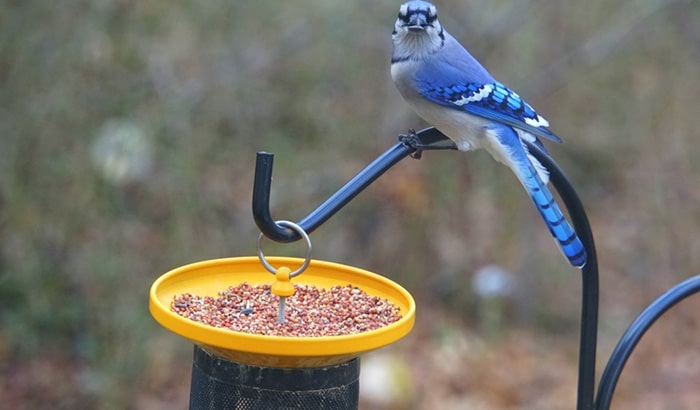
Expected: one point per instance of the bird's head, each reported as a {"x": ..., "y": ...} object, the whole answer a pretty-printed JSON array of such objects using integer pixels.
[{"x": 417, "y": 32}]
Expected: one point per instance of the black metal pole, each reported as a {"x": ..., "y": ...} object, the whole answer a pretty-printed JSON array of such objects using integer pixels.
[
  {"x": 589, "y": 276},
  {"x": 431, "y": 139}
]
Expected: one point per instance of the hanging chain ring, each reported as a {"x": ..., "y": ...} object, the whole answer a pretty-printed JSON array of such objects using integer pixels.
[{"x": 298, "y": 229}]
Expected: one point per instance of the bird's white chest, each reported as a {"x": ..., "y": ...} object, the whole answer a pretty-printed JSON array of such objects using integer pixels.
[{"x": 466, "y": 130}]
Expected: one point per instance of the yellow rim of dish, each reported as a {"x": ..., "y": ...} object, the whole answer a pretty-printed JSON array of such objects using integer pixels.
[{"x": 211, "y": 276}]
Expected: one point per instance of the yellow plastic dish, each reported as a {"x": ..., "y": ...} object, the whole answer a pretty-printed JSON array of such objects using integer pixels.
[{"x": 209, "y": 277}]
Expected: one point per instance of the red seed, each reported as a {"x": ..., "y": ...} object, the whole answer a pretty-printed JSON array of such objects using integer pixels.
[{"x": 311, "y": 311}]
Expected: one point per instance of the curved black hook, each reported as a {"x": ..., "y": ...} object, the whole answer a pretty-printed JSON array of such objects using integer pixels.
[
  {"x": 412, "y": 144},
  {"x": 634, "y": 334}
]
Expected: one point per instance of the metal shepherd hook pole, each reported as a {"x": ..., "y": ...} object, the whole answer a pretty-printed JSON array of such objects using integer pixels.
[{"x": 413, "y": 145}]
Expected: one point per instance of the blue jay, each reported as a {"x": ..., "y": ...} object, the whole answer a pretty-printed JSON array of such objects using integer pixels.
[{"x": 451, "y": 90}]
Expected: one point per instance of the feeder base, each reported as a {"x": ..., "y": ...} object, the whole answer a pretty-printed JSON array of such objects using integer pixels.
[{"x": 218, "y": 383}]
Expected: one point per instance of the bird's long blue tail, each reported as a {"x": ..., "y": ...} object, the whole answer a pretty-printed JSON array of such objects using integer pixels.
[
  {"x": 511, "y": 151},
  {"x": 563, "y": 233}
]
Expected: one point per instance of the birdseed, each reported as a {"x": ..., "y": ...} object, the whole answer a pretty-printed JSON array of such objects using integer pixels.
[{"x": 310, "y": 312}]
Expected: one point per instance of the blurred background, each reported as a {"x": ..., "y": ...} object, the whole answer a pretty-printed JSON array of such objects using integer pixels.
[{"x": 128, "y": 136}]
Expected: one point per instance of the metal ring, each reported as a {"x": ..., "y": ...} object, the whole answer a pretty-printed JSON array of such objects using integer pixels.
[{"x": 298, "y": 229}]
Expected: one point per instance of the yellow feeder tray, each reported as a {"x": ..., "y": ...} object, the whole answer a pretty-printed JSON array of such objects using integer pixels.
[{"x": 209, "y": 277}]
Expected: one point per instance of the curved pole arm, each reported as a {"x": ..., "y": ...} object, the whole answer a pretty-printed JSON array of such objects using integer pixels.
[
  {"x": 412, "y": 144},
  {"x": 634, "y": 334}
]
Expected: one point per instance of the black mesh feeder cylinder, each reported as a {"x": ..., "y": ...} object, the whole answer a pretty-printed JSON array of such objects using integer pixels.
[{"x": 236, "y": 370}]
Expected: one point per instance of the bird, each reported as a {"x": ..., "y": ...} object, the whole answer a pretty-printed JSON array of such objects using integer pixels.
[{"x": 453, "y": 92}]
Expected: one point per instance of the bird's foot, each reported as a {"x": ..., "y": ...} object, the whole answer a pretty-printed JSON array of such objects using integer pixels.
[{"x": 412, "y": 141}]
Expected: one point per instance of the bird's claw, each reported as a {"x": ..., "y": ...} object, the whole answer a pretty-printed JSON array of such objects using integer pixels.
[
  {"x": 412, "y": 141},
  {"x": 429, "y": 139}
]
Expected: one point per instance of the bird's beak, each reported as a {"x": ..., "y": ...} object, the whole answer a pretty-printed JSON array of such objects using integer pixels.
[{"x": 417, "y": 23}]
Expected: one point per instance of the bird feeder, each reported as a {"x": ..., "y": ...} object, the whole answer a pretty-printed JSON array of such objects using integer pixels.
[
  {"x": 247, "y": 371},
  {"x": 243, "y": 371}
]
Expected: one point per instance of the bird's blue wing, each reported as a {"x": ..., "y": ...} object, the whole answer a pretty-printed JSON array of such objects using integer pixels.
[{"x": 493, "y": 101}]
